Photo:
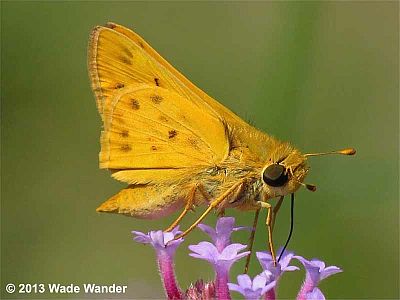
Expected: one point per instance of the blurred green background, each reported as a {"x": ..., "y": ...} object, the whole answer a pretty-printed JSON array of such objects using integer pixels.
[{"x": 323, "y": 75}]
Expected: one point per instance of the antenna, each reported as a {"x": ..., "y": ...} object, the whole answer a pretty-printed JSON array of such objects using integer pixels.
[
  {"x": 309, "y": 187},
  {"x": 347, "y": 151}
]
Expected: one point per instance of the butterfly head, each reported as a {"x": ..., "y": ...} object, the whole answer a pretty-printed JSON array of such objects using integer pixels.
[{"x": 286, "y": 169}]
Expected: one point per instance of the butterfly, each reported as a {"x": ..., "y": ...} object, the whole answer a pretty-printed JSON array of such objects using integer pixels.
[{"x": 176, "y": 147}]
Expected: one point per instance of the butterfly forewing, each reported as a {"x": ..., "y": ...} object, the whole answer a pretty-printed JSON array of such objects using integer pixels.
[
  {"x": 118, "y": 55},
  {"x": 152, "y": 127}
]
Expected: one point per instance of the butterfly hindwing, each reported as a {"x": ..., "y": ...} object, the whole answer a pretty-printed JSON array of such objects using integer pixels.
[{"x": 143, "y": 201}]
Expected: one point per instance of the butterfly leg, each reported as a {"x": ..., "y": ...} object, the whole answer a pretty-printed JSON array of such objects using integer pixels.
[
  {"x": 188, "y": 207},
  {"x": 275, "y": 211},
  {"x": 268, "y": 222},
  {"x": 251, "y": 241},
  {"x": 212, "y": 205}
]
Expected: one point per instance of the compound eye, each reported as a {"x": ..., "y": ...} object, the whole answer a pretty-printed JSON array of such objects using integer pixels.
[{"x": 275, "y": 175}]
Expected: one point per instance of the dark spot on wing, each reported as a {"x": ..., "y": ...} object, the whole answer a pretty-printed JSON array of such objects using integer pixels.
[
  {"x": 127, "y": 52},
  {"x": 172, "y": 133},
  {"x": 124, "y": 133},
  {"x": 163, "y": 118},
  {"x": 157, "y": 81},
  {"x": 135, "y": 104},
  {"x": 193, "y": 142},
  {"x": 183, "y": 118},
  {"x": 126, "y": 148},
  {"x": 119, "y": 85},
  {"x": 154, "y": 148},
  {"x": 141, "y": 45},
  {"x": 125, "y": 60},
  {"x": 156, "y": 99}
]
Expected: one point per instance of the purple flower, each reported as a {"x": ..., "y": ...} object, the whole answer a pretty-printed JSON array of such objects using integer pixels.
[
  {"x": 315, "y": 272},
  {"x": 253, "y": 289},
  {"x": 220, "y": 260},
  {"x": 221, "y": 235},
  {"x": 222, "y": 255},
  {"x": 165, "y": 248},
  {"x": 161, "y": 241},
  {"x": 265, "y": 259}
]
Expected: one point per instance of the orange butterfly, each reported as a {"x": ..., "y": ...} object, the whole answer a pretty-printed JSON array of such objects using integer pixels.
[{"x": 175, "y": 146}]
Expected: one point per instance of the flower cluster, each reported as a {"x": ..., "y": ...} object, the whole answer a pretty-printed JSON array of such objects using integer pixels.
[{"x": 222, "y": 254}]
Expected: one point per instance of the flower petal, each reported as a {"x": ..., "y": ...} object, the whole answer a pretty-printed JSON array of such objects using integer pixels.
[
  {"x": 312, "y": 270},
  {"x": 168, "y": 236},
  {"x": 267, "y": 274},
  {"x": 236, "y": 288},
  {"x": 141, "y": 237},
  {"x": 224, "y": 225},
  {"x": 232, "y": 250},
  {"x": 248, "y": 228},
  {"x": 176, "y": 230},
  {"x": 285, "y": 258},
  {"x": 243, "y": 254},
  {"x": 291, "y": 268},
  {"x": 265, "y": 259},
  {"x": 157, "y": 238},
  {"x": 209, "y": 230},
  {"x": 317, "y": 262},
  {"x": 252, "y": 289},
  {"x": 244, "y": 281},
  {"x": 264, "y": 255},
  {"x": 330, "y": 271},
  {"x": 210, "y": 260},
  {"x": 206, "y": 251},
  {"x": 201, "y": 246},
  {"x": 268, "y": 287},
  {"x": 258, "y": 282},
  {"x": 162, "y": 242}
]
